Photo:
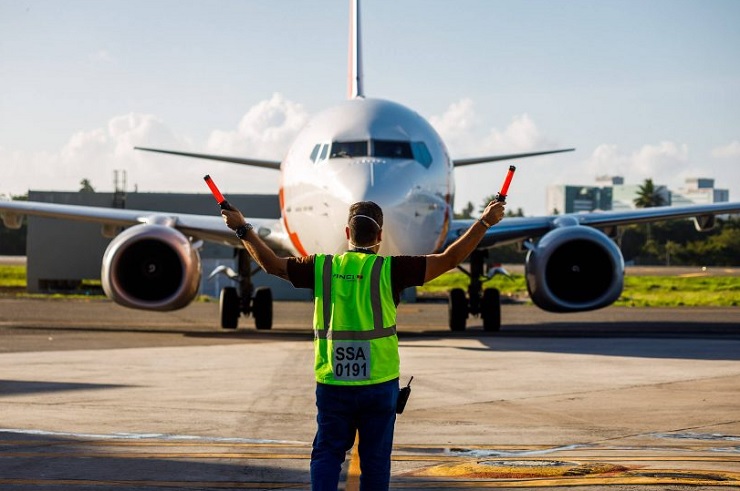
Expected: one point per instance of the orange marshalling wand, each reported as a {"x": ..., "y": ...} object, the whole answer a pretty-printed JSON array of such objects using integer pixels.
[
  {"x": 505, "y": 188},
  {"x": 216, "y": 193}
]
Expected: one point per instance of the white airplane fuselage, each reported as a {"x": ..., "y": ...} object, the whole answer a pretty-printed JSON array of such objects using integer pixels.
[{"x": 367, "y": 150}]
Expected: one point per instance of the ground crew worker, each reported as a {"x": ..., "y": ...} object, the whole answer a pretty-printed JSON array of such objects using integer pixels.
[{"x": 356, "y": 348}]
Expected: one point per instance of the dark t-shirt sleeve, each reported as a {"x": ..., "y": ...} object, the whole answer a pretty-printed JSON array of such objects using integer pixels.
[
  {"x": 408, "y": 271},
  {"x": 300, "y": 271}
]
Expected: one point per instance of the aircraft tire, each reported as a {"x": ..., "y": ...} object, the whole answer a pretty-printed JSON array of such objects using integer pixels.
[
  {"x": 228, "y": 305},
  {"x": 262, "y": 308},
  {"x": 491, "y": 309},
  {"x": 457, "y": 309}
]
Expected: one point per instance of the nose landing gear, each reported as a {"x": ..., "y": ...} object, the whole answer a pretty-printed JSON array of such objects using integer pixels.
[
  {"x": 245, "y": 299},
  {"x": 485, "y": 303}
]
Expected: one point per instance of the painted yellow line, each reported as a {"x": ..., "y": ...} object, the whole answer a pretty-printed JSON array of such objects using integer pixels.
[
  {"x": 565, "y": 473},
  {"x": 546, "y": 483},
  {"x": 353, "y": 473},
  {"x": 605, "y": 458}
]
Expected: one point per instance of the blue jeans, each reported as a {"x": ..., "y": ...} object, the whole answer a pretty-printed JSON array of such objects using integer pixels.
[{"x": 343, "y": 411}]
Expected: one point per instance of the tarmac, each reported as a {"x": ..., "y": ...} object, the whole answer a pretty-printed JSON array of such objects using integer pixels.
[{"x": 94, "y": 396}]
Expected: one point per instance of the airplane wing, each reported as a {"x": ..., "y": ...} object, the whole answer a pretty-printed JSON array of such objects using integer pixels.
[
  {"x": 513, "y": 229},
  {"x": 200, "y": 227},
  {"x": 496, "y": 158},
  {"x": 266, "y": 164}
]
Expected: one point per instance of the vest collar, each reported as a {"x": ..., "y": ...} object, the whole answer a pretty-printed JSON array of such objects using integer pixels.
[{"x": 362, "y": 250}]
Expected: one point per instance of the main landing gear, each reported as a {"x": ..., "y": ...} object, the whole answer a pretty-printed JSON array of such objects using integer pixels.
[
  {"x": 245, "y": 299},
  {"x": 484, "y": 303}
]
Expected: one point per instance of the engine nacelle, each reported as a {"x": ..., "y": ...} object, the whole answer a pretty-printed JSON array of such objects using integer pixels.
[
  {"x": 574, "y": 268},
  {"x": 151, "y": 267}
]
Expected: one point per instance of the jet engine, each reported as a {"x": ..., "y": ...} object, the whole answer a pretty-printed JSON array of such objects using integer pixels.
[
  {"x": 574, "y": 268},
  {"x": 151, "y": 267}
]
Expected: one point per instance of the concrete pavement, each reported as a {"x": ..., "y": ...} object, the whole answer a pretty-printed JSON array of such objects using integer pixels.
[{"x": 94, "y": 396}]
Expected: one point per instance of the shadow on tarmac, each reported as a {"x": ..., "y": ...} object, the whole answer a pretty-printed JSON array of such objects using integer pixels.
[
  {"x": 23, "y": 387},
  {"x": 627, "y": 339},
  {"x": 56, "y": 462}
]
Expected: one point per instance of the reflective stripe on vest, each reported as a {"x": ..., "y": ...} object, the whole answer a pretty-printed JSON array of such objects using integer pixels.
[
  {"x": 378, "y": 330},
  {"x": 353, "y": 301}
]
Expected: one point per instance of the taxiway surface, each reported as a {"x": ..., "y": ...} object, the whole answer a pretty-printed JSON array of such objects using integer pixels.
[{"x": 95, "y": 396}]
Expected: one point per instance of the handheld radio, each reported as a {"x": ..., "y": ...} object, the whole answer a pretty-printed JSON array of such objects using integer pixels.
[{"x": 403, "y": 397}]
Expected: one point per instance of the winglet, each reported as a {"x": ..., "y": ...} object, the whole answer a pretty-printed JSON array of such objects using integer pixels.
[{"x": 354, "y": 80}]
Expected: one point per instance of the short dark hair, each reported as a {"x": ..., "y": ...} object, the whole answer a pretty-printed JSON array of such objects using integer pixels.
[{"x": 365, "y": 222}]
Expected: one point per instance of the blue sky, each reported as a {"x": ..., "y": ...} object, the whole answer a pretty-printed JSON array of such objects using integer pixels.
[{"x": 642, "y": 89}]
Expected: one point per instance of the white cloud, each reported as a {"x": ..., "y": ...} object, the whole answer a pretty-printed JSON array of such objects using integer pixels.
[
  {"x": 668, "y": 163},
  {"x": 663, "y": 162},
  {"x": 265, "y": 131},
  {"x": 731, "y": 150},
  {"x": 457, "y": 124},
  {"x": 466, "y": 135},
  {"x": 91, "y": 154}
]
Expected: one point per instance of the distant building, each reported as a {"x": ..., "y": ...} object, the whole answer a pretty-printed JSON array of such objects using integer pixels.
[
  {"x": 699, "y": 190},
  {"x": 574, "y": 199},
  {"x": 611, "y": 193},
  {"x": 625, "y": 195}
]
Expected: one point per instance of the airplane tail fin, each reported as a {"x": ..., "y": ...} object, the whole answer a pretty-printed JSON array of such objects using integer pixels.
[{"x": 354, "y": 82}]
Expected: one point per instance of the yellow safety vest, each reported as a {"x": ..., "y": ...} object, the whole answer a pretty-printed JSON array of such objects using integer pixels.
[{"x": 354, "y": 320}]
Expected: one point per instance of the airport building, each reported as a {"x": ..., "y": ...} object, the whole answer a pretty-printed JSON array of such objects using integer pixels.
[
  {"x": 699, "y": 191},
  {"x": 569, "y": 198},
  {"x": 611, "y": 193},
  {"x": 63, "y": 253}
]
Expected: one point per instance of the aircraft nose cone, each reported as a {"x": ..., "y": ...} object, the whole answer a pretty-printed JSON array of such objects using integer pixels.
[{"x": 414, "y": 215}]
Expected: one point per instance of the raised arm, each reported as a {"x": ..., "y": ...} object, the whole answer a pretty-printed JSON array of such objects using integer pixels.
[
  {"x": 462, "y": 247},
  {"x": 267, "y": 259}
]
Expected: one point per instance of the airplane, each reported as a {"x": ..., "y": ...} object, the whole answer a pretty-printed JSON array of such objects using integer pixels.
[{"x": 362, "y": 149}]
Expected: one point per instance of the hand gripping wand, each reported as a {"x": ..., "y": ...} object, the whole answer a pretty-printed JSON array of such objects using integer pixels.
[
  {"x": 222, "y": 203},
  {"x": 501, "y": 196}
]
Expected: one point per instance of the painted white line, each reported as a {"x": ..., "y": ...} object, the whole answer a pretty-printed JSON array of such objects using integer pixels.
[{"x": 145, "y": 436}]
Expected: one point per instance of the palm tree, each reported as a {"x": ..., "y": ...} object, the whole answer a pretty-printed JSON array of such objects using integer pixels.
[
  {"x": 467, "y": 212},
  {"x": 648, "y": 196}
]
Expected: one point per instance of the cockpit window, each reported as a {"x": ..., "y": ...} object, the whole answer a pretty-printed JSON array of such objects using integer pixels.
[
  {"x": 389, "y": 149},
  {"x": 392, "y": 149},
  {"x": 324, "y": 150},
  {"x": 421, "y": 153},
  {"x": 349, "y": 149},
  {"x": 319, "y": 152},
  {"x": 315, "y": 152}
]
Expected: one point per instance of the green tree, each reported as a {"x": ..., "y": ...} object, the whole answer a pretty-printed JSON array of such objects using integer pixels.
[
  {"x": 86, "y": 186},
  {"x": 509, "y": 213},
  {"x": 648, "y": 196},
  {"x": 467, "y": 212},
  {"x": 678, "y": 242},
  {"x": 671, "y": 248},
  {"x": 719, "y": 249}
]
